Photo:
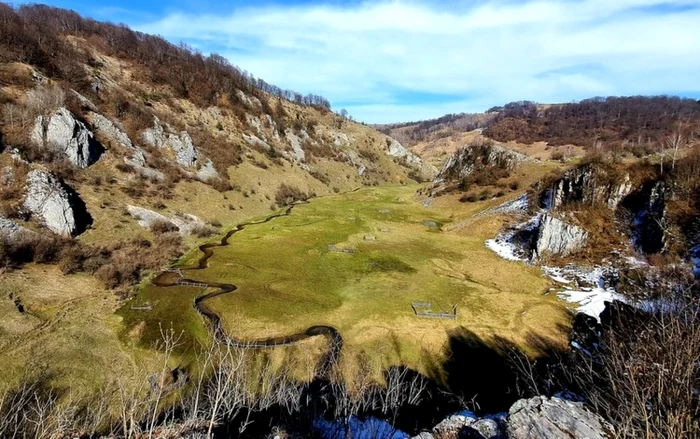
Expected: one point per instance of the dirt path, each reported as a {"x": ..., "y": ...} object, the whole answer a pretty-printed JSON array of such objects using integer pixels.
[{"x": 176, "y": 277}]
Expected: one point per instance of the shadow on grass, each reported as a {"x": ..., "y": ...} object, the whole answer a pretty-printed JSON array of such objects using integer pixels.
[{"x": 485, "y": 376}]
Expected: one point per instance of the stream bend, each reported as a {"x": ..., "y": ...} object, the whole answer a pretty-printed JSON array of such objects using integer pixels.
[{"x": 175, "y": 277}]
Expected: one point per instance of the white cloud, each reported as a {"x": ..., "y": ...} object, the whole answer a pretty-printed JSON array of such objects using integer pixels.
[{"x": 485, "y": 55}]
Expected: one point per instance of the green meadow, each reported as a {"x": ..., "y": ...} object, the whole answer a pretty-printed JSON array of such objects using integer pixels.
[{"x": 357, "y": 261}]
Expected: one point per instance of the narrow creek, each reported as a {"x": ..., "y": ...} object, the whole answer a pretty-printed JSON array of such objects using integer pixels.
[{"x": 175, "y": 278}]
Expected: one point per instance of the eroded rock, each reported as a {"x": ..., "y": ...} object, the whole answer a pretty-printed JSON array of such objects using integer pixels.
[
  {"x": 557, "y": 238},
  {"x": 11, "y": 231},
  {"x": 470, "y": 159},
  {"x": 55, "y": 204},
  {"x": 185, "y": 223},
  {"x": 115, "y": 134},
  {"x": 588, "y": 185},
  {"x": 553, "y": 418},
  {"x": 186, "y": 154},
  {"x": 62, "y": 132}
]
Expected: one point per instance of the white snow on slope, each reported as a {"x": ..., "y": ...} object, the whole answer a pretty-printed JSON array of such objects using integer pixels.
[
  {"x": 584, "y": 287},
  {"x": 503, "y": 244}
]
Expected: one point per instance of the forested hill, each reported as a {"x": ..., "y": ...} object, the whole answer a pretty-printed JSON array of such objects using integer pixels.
[
  {"x": 611, "y": 120},
  {"x": 36, "y": 35}
]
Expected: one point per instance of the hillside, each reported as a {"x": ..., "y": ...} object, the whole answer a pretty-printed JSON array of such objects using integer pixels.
[
  {"x": 163, "y": 128},
  {"x": 189, "y": 251},
  {"x": 120, "y": 151}
]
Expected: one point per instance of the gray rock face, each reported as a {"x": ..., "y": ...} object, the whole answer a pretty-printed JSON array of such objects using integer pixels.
[
  {"x": 11, "y": 231},
  {"x": 454, "y": 424},
  {"x": 115, "y": 134},
  {"x": 557, "y": 238},
  {"x": 62, "y": 132},
  {"x": 185, "y": 223},
  {"x": 469, "y": 159},
  {"x": 55, "y": 204},
  {"x": 554, "y": 418},
  {"x": 207, "y": 171},
  {"x": 154, "y": 136},
  {"x": 186, "y": 154},
  {"x": 396, "y": 149},
  {"x": 298, "y": 154},
  {"x": 588, "y": 185}
]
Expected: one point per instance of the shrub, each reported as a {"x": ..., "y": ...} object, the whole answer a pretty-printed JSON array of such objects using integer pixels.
[
  {"x": 161, "y": 226},
  {"x": 287, "y": 195}
]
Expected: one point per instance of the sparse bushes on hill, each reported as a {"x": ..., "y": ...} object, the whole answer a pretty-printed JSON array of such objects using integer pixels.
[
  {"x": 287, "y": 195},
  {"x": 29, "y": 248}
]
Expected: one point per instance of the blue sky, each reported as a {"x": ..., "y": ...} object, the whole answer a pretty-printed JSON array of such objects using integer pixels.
[{"x": 393, "y": 60}]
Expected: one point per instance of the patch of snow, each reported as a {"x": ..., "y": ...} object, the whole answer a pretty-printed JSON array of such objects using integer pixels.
[
  {"x": 589, "y": 291},
  {"x": 504, "y": 244},
  {"x": 695, "y": 260},
  {"x": 519, "y": 205}
]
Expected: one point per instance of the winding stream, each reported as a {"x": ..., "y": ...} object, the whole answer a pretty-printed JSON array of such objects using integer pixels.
[{"x": 173, "y": 278}]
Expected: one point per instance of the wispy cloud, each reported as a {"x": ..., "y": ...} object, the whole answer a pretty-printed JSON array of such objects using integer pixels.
[{"x": 407, "y": 60}]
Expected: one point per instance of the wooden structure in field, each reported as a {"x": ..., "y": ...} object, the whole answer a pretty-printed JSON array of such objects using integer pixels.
[{"x": 425, "y": 309}]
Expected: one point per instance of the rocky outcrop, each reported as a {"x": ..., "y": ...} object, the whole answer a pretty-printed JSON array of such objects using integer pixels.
[
  {"x": 535, "y": 418},
  {"x": 115, "y": 134},
  {"x": 396, "y": 149},
  {"x": 63, "y": 133},
  {"x": 541, "y": 237},
  {"x": 207, "y": 171},
  {"x": 589, "y": 185},
  {"x": 11, "y": 231},
  {"x": 55, "y": 204},
  {"x": 557, "y": 238},
  {"x": 554, "y": 418},
  {"x": 470, "y": 159},
  {"x": 154, "y": 136},
  {"x": 298, "y": 154},
  {"x": 185, "y": 223},
  {"x": 186, "y": 154}
]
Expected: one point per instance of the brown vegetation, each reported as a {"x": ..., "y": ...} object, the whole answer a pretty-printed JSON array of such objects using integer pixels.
[
  {"x": 287, "y": 195},
  {"x": 617, "y": 121}
]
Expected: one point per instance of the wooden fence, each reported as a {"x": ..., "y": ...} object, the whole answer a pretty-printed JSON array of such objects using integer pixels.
[{"x": 425, "y": 309}]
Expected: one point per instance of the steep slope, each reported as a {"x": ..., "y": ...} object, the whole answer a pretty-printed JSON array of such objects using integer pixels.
[{"x": 123, "y": 118}]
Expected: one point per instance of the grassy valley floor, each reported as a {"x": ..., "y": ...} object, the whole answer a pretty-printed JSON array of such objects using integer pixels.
[{"x": 356, "y": 262}]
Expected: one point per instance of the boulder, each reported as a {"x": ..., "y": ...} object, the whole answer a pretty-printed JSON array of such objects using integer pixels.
[
  {"x": 557, "y": 238},
  {"x": 454, "y": 424},
  {"x": 554, "y": 418},
  {"x": 11, "y": 231},
  {"x": 588, "y": 185},
  {"x": 63, "y": 133},
  {"x": 185, "y": 223},
  {"x": 186, "y": 154},
  {"x": 207, "y": 171},
  {"x": 55, "y": 204},
  {"x": 470, "y": 159}
]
